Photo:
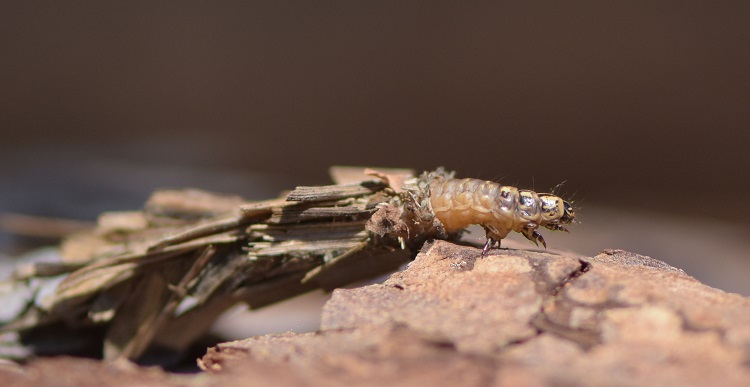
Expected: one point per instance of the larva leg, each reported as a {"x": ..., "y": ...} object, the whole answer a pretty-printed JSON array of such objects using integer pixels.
[
  {"x": 531, "y": 234},
  {"x": 488, "y": 245},
  {"x": 490, "y": 242},
  {"x": 557, "y": 227}
]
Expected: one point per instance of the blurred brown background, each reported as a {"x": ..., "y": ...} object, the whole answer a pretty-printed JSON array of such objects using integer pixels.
[{"x": 643, "y": 107}]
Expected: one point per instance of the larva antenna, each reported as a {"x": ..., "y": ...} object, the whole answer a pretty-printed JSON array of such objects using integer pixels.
[
  {"x": 557, "y": 188},
  {"x": 498, "y": 178}
]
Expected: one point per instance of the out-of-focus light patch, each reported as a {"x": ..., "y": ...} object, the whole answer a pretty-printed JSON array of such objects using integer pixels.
[{"x": 299, "y": 314}]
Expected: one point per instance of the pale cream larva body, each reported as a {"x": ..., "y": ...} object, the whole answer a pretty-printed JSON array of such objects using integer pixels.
[{"x": 458, "y": 203}]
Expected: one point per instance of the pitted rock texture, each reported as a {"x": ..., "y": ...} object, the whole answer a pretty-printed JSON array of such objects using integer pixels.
[{"x": 512, "y": 318}]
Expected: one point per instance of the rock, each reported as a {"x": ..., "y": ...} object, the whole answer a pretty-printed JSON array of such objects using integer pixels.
[
  {"x": 76, "y": 372},
  {"x": 515, "y": 317}
]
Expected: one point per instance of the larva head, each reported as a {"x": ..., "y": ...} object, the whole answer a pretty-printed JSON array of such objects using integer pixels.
[
  {"x": 569, "y": 215},
  {"x": 555, "y": 210}
]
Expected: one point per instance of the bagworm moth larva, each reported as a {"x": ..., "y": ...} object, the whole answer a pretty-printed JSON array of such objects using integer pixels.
[{"x": 500, "y": 209}]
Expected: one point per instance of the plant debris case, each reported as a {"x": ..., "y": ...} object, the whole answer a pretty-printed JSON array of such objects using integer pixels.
[{"x": 158, "y": 278}]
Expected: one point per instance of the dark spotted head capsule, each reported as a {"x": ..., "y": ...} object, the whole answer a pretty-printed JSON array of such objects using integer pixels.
[{"x": 568, "y": 215}]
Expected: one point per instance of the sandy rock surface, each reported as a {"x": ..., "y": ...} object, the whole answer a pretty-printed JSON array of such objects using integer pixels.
[{"x": 514, "y": 317}]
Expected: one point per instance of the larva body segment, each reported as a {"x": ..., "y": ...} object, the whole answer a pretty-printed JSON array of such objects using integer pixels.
[{"x": 458, "y": 203}]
